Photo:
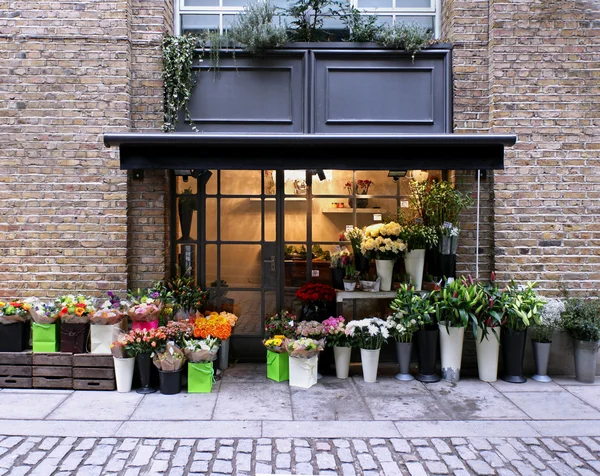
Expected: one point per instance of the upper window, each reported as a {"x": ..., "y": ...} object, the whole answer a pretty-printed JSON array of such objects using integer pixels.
[{"x": 195, "y": 16}]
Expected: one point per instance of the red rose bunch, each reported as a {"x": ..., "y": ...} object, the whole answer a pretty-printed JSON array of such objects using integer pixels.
[{"x": 314, "y": 292}]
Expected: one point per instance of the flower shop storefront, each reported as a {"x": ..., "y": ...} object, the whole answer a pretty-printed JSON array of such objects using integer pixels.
[{"x": 245, "y": 209}]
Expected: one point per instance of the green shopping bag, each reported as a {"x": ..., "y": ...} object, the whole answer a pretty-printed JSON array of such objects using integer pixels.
[
  {"x": 45, "y": 337},
  {"x": 200, "y": 377},
  {"x": 278, "y": 366}
]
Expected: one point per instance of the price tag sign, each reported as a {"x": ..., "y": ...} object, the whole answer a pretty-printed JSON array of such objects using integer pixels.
[
  {"x": 315, "y": 273},
  {"x": 349, "y": 227},
  {"x": 403, "y": 203},
  {"x": 376, "y": 216}
]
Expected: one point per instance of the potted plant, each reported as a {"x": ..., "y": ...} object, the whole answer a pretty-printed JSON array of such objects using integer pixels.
[
  {"x": 169, "y": 362},
  {"x": 581, "y": 321},
  {"x": 350, "y": 278},
  {"x": 369, "y": 335},
  {"x": 142, "y": 343},
  {"x": 278, "y": 361},
  {"x": 383, "y": 243},
  {"x": 145, "y": 307},
  {"x": 411, "y": 311},
  {"x": 340, "y": 259},
  {"x": 362, "y": 188},
  {"x": 522, "y": 310},
  {"x": 335, "y": 337},
  {"x": 304, "y": 360},
  {"x": 14, "y": 325},
  {"x": 369, "y": 282},
  {"x": 124, "y": 361},
  {"x": 186, "y": 208},
  {"x": 457, "y": 305},
  {"x": 541, "y": 337},
  {"x": 487, "y": 342},
  {"x": 418, "y": 238},
  {"x": 74, "y": 313},
  {"x": 317, "y": 300},
  {"x": 355, "y": 236}
]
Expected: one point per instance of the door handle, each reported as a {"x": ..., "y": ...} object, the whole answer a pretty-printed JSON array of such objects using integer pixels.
[{"x": 272, "y": 261}]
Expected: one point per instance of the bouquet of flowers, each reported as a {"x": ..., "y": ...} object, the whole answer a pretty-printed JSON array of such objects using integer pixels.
[
  {"x": 230, "y": 318},
  {"x": 275, "y": 344},
  {"x": 304, "y": 347},
  {"x": 417, "y": 236},
  {"x": 382, "y": 241},
  {"x": 121, "y": 347},
  {"x": 362, "y": 187},
  {"x": 315, "y": 297},
  {"x": 170, "y": 359},
  {"x": 312, "y": 329},
  {"x": 355, "y": 237},
  {"x": 201, "y": 350},
  {"x": 145, "y": 305},
  {"x": 14, "y": 311},
  {"x": 283, "y": 323},
  {"x": 44, "y": 313},
  {"x": 341, "y": 259},
  {"x": 178, "y": 331},
  {"x": 549, "y": 320},
  {"x": 412, "y": 312},
  {"x": 187, "y": 298},
  {"x": 449, "y": 238},
  {"x": 110, "y": 312},
  {"x": 74, "y": 309},
  {"x": 335, "y": 332},
  {"x": 145, "y": 341},
  {"x": 215, "y": 325},
  {"x": 368, "y": 333}
]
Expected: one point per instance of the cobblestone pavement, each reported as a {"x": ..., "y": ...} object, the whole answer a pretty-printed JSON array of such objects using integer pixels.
[{"x": 132, "y": 457}]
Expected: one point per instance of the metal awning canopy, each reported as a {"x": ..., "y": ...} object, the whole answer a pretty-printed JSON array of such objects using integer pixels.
[{"x": 311, "y": 151}]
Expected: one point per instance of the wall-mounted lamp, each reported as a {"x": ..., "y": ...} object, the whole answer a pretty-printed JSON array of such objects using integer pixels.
[{"x": 397, "y": 174}]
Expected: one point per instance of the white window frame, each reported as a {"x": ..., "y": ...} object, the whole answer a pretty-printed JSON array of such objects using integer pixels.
[{"x": 434, "y": 10}]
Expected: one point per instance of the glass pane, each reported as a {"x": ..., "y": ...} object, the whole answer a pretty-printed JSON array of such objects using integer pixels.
[
  {"x": 270, "y": 220},
  {"x": 295, "y": 210},
  {"x": 295, "y": 182},
  {"x": 211, "y": 184},
  {"x": 295, "y": 264},
  {"x": 330, "y": 216},
  {"x": 241, "y": 265},
  {"x": 228, "y": 20},
  {"x": 187, "y": 226},
  {"x": 375, "y": 3},
  {"x": 186, "y": 182},
  {"x": 380, "y": 209},
  {"x": 193, "y": 23},
  {"x": 270, "y": 181},
  {"x": 270, "y": 303},
  {"x": 247, "y": 306},
  {"x": 200, "y": 3},
  {"x": 186, "y": 259},
  {"x": 381, "y": 183},
  {"x": 240, "y": 219},
  {"x": 413, "y": 3},
  {"x": 234, "y": 3},
  {"x": 290, "y": 302},
  {"x": 426, "y": 21},
  {"x": 240, "y": 182},
  {"x": 385, "y": 20},
  {"x": 210, "y": 267},
  {"x": 333, "y": 183}
]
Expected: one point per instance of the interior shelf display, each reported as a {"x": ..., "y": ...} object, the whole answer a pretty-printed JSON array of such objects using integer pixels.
[{"x": 351, "y": 210}]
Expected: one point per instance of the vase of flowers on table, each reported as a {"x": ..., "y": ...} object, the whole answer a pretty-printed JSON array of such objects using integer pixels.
[
  {"x": 383, "y": 243},
  {"x": 362, "y": 188},
  {"x": 369, "y": 335}
]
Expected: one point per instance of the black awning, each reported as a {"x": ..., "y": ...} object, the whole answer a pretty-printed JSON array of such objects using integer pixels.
[{"x": 311, "y": 151}]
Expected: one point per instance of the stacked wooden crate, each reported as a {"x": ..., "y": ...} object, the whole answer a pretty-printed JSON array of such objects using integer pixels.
[
  {"x": 53, "y": 370},
  {"x": 16, "y": 370},
  {"x": 93, "y": 372}
]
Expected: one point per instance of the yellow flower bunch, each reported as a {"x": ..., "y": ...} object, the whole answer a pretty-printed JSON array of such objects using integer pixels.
[
  {"x": 274, "y": 342},
  {"x": 382, "y": 241},
  {"x": 391, "y": 229},
  {"x": 230, "y": 318}
]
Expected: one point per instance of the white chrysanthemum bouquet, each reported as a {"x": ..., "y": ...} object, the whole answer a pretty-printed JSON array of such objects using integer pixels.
[{"x": 368, "y": 333}]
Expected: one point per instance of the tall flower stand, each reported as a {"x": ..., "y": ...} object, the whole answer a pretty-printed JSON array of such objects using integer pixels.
[
  {"x": 414, "y": 263},
  {"x": 488, "y": 350},
  {"x": 342, "y": 361},
  {"x": 451, "y": 345},
  {"x": 144, "y": 364},
  {"x": 404, "y": 352},
  {"x": 385, "y": 270},
  {"x": 427, "y": 340},
  {"x": 124, "y": 373},
  {"x": 369, "y": 359},
  {"x": 541, "y": 355},
  {"x": 513, "y": 351},
  {"x": 584, "y": 353}
]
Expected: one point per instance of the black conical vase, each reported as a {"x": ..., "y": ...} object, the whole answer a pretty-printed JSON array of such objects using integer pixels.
[
  {"x": 427, "y": 342},
  {"x": 144, "y": 364},
  {"x": 186, "y": 214},
  {"x": 513, "y": 351}
]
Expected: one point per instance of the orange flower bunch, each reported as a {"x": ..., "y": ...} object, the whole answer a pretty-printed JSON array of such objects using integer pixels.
[
  {"x": 230, "y": 318},
  {"x": 215, "y": 325}
]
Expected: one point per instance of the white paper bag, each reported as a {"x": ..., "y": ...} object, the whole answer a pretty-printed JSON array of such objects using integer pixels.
[
  {"x": 102, "y": 337},
  {"x": 303, "y": 372}
]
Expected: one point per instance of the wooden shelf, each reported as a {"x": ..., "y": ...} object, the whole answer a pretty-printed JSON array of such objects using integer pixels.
[{"x": 350, "y": 210}]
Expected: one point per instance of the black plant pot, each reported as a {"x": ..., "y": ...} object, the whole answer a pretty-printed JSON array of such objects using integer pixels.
[
  {"x": 170, "y": 382},
  {"x": 513, "y": 351},
  {"x": 14, "y": 337},
  {"x": 427, "y": 342},
  {"x": 144, "y": 365},
  {"x": 432, "y": 265},
  {"x": 186, "y": 213},
  {"x": 337, "y": 277},
  {"x": 325, "y": 360},
  {"x": 360, "y": 202},
  {"x": 361, "y": 263},
  {"x": 447, "y": 265},
  {"x": 309, "y": 313}
]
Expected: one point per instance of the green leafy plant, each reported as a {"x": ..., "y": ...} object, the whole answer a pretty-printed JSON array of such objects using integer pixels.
[
  {"x": 491, "y": 315},
  {"x": 255, "y": 30},
  {"x": 581, "y": 319},
  {"x": 412, "y": 311},
  {"x": 442, "y": 203},
  {"x": 459, "y": 303},
  {"x": 307, "y": 19},
  {"x": 178, "y": 77},
  {"x": 410, "y": 37},
  {"x": 522, "y": 306},
  {"x": 417, "y": 236},
  {"x": 361, "y": 28}
]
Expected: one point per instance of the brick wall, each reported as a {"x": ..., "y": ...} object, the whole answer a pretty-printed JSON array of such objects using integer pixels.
[
  {"x": 544, "y": 85},
  {"x": 65, "y": 80}
]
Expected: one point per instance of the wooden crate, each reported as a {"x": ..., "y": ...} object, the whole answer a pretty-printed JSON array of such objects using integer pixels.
[
  {"x": 15, "y": 370},
  {"x": 93, "y": 372},
  {"x": 53, "y": 370}
]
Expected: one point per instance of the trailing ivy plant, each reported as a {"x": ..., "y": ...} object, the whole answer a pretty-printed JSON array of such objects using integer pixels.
[
  {"x": 410, "y": 37},
  {"x": 178, "y": 77},
  {"x": 361, "y": 28},
  {"x": 255, "y": 30},
  {"x": 307, "y": 18}
]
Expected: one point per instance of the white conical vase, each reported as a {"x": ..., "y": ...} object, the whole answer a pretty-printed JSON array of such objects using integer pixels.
[
  {"x": 488, "y": 350},
  {"x": 385, "y": 270},
  {"x": 414, "y": 262},
  {"x": 124, "y": 373},
  {"x": 342, "y": 361},
  {"x": 370, "y": 362},
  {"x": 451, "y": 345}
]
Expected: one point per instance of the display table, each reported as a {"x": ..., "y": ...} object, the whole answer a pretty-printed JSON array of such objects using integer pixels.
[{"x": 356, "y": 295}]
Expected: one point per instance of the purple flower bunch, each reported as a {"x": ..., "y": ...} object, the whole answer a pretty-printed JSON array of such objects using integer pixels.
[
  {"x": 335, "y": 332},
  {"x": 312, "y": 329},
  {"x": 115, "y": 301}
]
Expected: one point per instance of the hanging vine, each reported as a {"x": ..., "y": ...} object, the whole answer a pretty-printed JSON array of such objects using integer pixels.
[{"x": 178, "y": 77}]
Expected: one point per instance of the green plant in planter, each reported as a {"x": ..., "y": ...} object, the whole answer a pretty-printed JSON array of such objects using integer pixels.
[
  {"x": 412, "y": 311},
  {"x": 361, "y": 28},
  {"x": 491, "y": 315},
  {"x": 550, "y": 317},
  {"x": 522, "y": 306},
  {"x": 254, "y": 29},
  {"x": 459, "y": 303},
  {"x": 441, "y": 203},
  {"x": 581, "y": 319},
  {"x": 410, "y": 37},
  {"x": 307, "y": 19},
  {"x": 417, "y": 236},
  {"x": 178, "y": 77}
]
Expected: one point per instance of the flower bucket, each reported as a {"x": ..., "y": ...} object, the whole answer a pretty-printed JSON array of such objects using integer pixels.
[
  {"x": 385, "y": 270},
  {"x": 427, "y": 341},
  {"x": 541, "y": 355},
  {"x": 144, "y": 364},
  {"x": 200, "y": 377},
  {"x": 101, "y": 338},
  {"x": 170, "y": 382},
  {"x": 451, "y": 345},
  {"x": 303, "y": 372},
  {"x": 224, "y": 355},
  {"x": 337, "y": 277},
  {"x": 74, "y": 337},
  {"x": 342, "y": 361},
  {"x": 584, "y": 353},
  {"x": 14, "y": 337},
  {"x": 487, "y": 355},
  {"x": 370, "y": 286},
  {"x": 349, "y": 285},
  {"x": 513, "y": 351},
  {"x": 278, "y": 366},
  {"x": 414, "y": 262},
  {"x": 370, "y": 362},
  {"x": 124, "y": 373},
  {"x": 404, "y": 353},
  {"x": 45, "y": 337},
  {"x": 144, "y": 325}
]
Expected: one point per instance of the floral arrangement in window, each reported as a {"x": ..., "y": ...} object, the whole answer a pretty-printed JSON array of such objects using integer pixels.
[
  {"x": 312, "y": 329},
  {"x": 362, "y": 187},
  {"x": 304, "y": 347},
  {"x": 341, "y": 259},
  {"x": 145, "y": 305},
  {"x": 382, "y": 241},
  {"x": 370, "y": 333},
  {"x": 111, "y": 311},
  {"x": 14, "y": 311},
  {"x": 74, "y": 309},
  {"x": 335, "y": 332},
  {"x": 281, "y": 324}
]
